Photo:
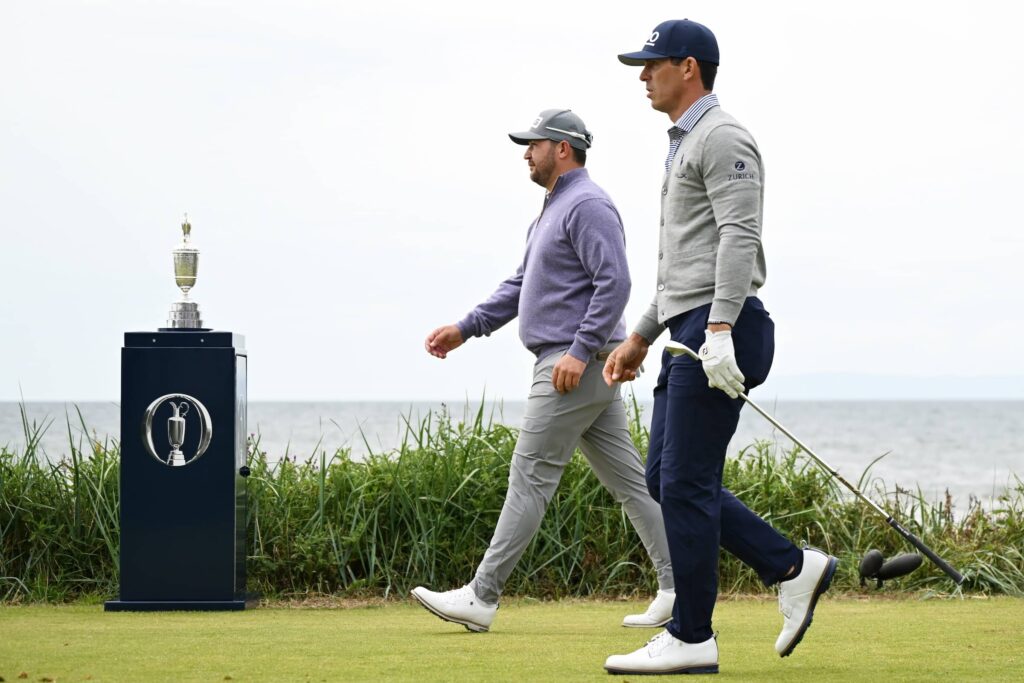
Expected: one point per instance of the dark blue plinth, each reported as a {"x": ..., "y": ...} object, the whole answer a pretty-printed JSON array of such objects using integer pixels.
[
  {"x": 183, "y": 541},
  {"x": 173, "y": 605}
]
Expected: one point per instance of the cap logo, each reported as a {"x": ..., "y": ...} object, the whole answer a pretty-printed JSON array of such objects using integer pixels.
[
  {"x": 653, "y": 39},
  {"x": 536, "y": 122}
]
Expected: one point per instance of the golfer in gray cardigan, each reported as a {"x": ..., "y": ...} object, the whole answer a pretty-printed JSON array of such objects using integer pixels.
[
  {"x": 710, "y": 267},
  {"x": 569, "y": 294}
]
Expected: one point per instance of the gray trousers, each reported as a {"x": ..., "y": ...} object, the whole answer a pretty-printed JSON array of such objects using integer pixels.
[{"x": 591, "y": 416}]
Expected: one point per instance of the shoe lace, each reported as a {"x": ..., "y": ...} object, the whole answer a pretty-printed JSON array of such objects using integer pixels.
[
  {"x": 784, "y": 608},
  {"x": 651, "y": 609},
  {"x": 464, "y": 593},
  {"x": 658, "y": 643}
]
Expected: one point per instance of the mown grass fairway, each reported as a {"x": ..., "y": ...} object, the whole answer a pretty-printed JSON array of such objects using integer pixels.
[{"x": 851, "y": 640}]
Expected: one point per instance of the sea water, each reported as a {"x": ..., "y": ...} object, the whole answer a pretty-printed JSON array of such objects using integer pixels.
[{"x": 970, "y": 448}]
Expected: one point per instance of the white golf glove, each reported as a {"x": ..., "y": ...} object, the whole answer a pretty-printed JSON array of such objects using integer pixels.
[{"x": 719, "y": 360}]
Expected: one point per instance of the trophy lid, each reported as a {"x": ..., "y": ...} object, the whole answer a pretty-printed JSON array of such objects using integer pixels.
[{"x": 186, "y": 236}]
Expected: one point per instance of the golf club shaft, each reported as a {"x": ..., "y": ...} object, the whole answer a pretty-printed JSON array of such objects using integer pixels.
[
  {"x": 676, "y": 348},
  {"x": 957, "y": 577},
  {"x": 914, "y": 540}
]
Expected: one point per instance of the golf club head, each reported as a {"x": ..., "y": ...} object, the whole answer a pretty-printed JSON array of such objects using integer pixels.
[
  {"x": 870, "y": 565},
  {"x": 676, "y": 349},
  {"x": 901, "y": 565}
]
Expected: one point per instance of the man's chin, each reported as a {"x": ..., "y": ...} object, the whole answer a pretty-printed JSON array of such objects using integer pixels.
[{"x": 657, "y": 105}]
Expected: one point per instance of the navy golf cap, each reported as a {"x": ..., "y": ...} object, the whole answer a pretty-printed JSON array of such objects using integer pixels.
[
  {"x": 557, "y": 125},
  {"x": 676, "y": 38}
]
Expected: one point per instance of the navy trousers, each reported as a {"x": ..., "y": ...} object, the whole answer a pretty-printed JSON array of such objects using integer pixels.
[{"x": 690, "y": 432}]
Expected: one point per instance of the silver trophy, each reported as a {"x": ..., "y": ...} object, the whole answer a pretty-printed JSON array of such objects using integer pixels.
[
  {"x": 185, "y": 313},
  {"x": 176, "y": 433}
]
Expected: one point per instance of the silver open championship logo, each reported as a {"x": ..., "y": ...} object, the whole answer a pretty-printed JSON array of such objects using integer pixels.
[{"x": 182, "y": 406}]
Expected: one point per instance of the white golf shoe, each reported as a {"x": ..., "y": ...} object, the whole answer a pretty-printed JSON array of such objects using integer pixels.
[
  {"x": 666, "y": 654},
  {"x": 460, "y": 606},
  {"x": 658, "y": 614},
  {"x": 799, "y": 595}
]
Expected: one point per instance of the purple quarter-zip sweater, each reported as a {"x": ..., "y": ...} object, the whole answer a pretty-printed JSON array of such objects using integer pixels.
[{"x": 573, "y": 284}]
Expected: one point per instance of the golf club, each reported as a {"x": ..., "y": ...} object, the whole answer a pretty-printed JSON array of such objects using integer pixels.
[{"x": 676, "y": 349}]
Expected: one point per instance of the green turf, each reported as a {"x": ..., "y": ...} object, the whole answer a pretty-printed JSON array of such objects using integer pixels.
[{"x": 851, "y": 640}]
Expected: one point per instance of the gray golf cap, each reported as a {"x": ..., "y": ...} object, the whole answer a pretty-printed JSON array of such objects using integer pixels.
[{"x": 557, "y": 125}]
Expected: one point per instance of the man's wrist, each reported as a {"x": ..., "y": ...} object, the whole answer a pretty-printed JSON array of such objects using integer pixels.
[
  {"x": 719, "y": 327},
  {"x": 635, "y": 338},
  {"x": 465, "y": 328},
  {"x": 579, "y": 352}
]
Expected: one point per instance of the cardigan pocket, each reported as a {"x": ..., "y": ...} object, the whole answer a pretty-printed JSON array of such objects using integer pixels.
[
  {"x": 693, "y": 268},
  {"x": 695, "y": 251}
]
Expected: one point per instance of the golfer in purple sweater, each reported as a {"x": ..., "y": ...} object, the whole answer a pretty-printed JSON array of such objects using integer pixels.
[{"x": 569, "y": 293}]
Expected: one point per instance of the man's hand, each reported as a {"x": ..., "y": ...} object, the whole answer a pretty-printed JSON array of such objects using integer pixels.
[
  {"x": 624, "y": 362},
  {"x": 719, "y": 360},
  {"x": 442, "y": 340},
  {"x": 567, "y": 373}
]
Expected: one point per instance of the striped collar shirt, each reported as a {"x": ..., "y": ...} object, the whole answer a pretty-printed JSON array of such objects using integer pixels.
[{"x": 686, "y": 123}]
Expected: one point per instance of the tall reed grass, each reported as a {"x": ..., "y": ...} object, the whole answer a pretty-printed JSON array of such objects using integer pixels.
[{"x": 423, "y": 513}]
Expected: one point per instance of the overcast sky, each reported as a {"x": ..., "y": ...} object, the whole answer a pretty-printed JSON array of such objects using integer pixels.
[{"x": 351, "y": 186}]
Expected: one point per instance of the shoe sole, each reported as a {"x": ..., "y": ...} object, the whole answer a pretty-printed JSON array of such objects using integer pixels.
[
  {"x": 470, "y": 626},
  {"x": 657, "y": 625},
  {"x": 710, "y": 669},
  {"x": 823, "y": 584}
]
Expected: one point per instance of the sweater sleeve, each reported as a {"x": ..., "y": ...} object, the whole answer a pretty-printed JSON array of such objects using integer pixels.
[
  {"x": 649, "y": 328},
  {"x": 501, "y": 307},
  {"x": 596, "y": 232},
  {"x": 733, "y": 176}
]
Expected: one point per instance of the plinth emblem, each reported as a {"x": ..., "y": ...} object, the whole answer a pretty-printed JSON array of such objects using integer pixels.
[{"x": 185, "y": 409}]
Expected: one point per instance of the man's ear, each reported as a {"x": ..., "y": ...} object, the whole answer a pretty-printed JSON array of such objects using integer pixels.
[{"x": 691, "y": 68}]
